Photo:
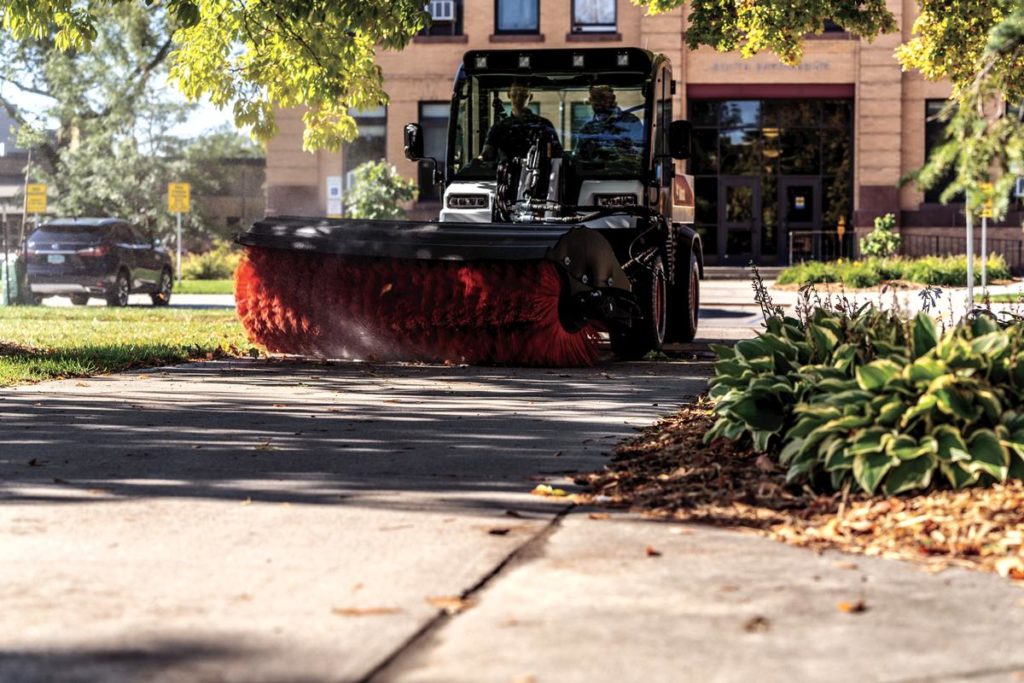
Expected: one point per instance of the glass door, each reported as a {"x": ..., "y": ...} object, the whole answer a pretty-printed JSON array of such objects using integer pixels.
[
  {"x": 739, "y": 221},
  {"x": 800, "y": 213}
]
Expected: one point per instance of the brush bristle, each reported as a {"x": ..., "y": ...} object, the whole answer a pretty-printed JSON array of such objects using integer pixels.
[{"x": 482, "y": 313}]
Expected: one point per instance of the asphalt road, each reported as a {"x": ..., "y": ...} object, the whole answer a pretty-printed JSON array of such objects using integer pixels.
[{"x": 275, "y": 521}]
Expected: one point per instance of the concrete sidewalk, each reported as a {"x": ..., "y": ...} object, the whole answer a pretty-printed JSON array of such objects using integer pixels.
[{"x": 274, "y": 521}]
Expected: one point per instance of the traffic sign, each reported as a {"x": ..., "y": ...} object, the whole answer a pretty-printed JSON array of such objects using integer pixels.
[
  {"x": 35, "y": 198},
  {"x": 986, "y": 190},
  {"x": 178, "y": 196}
]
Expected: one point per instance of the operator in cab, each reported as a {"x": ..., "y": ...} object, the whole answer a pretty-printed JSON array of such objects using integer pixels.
[
  {"x": 611, "y": 133},
  {"x": 514, "y": 135}
]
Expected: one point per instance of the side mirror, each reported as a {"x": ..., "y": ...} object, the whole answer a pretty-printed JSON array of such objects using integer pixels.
[
  {"x": 680, "y": 134},
  {"x": 413, "y": 141}
]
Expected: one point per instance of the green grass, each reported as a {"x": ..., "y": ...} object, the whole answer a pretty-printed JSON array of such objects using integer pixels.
[
  {"x": 1007, "y": 298},
  {"x": 39, "y": 343},
  {"x": 205, "y": 287}
]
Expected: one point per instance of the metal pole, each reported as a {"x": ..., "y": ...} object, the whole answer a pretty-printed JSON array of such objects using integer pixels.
[
  {"x": 790, "y": 236},
  {"x": 984, "y": 252},
  {"x": 179, "y": 249},
  {"x": 970, "y": 257},
  {"x": 24, "y": 211},
  {"x": 7, "y": 262}
]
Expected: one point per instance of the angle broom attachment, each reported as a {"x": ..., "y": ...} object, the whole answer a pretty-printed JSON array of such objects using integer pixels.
[{"x": 477, "y": 312}]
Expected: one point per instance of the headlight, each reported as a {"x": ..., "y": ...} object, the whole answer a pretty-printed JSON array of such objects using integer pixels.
[
  {"x": 467, "y": 201},
  {"x": 614, "y": 200}
]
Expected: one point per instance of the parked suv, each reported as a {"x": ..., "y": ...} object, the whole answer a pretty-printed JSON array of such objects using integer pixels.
[{"x": 97, "y": 257}]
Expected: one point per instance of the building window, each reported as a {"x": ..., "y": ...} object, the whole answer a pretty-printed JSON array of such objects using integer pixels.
[
  {"x": 517, "y": 16},
  {"x": 594, "y": 16},
  {"x": 369, "y": 145},
  {"x": 445, "y": 18},
  {"x": 434, "y": 120},
  {"x": 934, "y": 136}
]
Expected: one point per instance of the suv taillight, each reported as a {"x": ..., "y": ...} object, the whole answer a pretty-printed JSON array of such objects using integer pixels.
[{"x": 99, "y": 250}]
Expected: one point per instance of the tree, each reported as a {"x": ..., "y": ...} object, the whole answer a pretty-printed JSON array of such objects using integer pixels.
[
  {"x": 103, "y": 136},
  {"x": 254, "y": 56},
  {"x": 378, "y": 190},
  {"x": 980, "y": 48}
]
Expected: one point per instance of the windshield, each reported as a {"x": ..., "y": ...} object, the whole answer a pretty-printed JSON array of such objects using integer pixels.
[{"x": 595, "y": 124}]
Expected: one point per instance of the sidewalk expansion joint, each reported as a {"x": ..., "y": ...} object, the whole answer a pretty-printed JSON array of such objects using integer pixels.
[{"x": 525, "y": 552}]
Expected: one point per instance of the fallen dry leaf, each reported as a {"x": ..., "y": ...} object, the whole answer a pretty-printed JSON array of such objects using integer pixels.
[
  {"x": 1010, "y": 567},
  {"x": 548, "y": 491},
  {"x": 499, "y": 531},
  {"x": 651, "y": 552},
  {"x": 757, "y": 624},
  {"x": 363, "y": 611},
  {"x": 451, "y": 604},
  {"x": 844, "y": 565},
  {"x": 247, "y": 501},
  {"x": 668, "y": 472},
  {"x": 598, "y": 515},
  {"x": 855, "y": 607}
]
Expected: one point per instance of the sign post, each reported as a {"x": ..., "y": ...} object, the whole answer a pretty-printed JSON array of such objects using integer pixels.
[
  {"x": 970, "y": 255},
  {"x": 178, "y": 196},
  {"x": 986, "y": 213}
]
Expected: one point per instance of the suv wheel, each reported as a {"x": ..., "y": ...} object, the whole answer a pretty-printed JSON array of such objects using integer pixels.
[
  {"x": 162, "y": 296},
  {"x": 79, "y": 299},
  {"x": 118, "y": 296},
  {"x": 648, "y": 333}
]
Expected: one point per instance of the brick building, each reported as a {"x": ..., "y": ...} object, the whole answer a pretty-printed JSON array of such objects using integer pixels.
[{"x": 783, "y": 154}]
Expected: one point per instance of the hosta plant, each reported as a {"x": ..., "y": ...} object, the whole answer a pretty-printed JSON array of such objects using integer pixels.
[{"x": 876, "y": 403}]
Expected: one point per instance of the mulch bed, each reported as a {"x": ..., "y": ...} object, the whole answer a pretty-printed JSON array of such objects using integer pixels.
[{"x": 667, "y": 471}]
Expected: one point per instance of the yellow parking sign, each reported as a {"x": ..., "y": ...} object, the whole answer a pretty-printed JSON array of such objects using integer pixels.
[
  {"x": 986, "y": 207},
  {"x": 35, "y": 198},
  {"x": 178, "y": 195}
]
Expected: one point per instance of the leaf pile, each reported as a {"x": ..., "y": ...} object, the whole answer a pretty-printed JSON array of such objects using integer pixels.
[{"x": 668, "y": 471}]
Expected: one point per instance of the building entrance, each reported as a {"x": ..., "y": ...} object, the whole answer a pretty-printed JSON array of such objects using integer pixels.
[
  {"x": 768, "y": 168},
  {"x": 739, "y": 220}
]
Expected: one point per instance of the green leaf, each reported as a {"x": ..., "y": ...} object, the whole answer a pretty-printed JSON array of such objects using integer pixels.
[
  {"x": 760, "y": 412},
  {"x": 926, "y": 369},
  {"x": 824, "y": 339},
  {"x": 869, "y": 468},
  {"x": 752, "y": 348},
  {"x": 925, "y": 334},
  {"x": 910, "y": 474},
  {"x": 991, "y": 344},
  {"x": 876, "y": 374},
  {"x": 723, "y": 352},
  {"x": 957, "y": 476},
  {"x": 950, "y": 443},
  {"x": 988, "y": 455},
  {"x": 923, "y": 406},
  {"x": 891, "y": 412},
  {"x": 790, "y": 450}
]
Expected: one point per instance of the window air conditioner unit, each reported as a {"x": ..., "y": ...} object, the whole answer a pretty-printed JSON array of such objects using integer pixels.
[{"x": 441, "y": 10}]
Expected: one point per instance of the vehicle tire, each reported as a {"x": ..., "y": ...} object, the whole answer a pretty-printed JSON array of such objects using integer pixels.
[
  {"x": 685, "y": 300},
  {"x": 648, "y": 333},
  {"x": 79, "y": 299},
  {"x": 118, "y": 295},
  {"x": 162, "y": 296}
]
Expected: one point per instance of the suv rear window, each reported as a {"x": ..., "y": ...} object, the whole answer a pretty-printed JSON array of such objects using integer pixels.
[{"x": 66, "y": 230}]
